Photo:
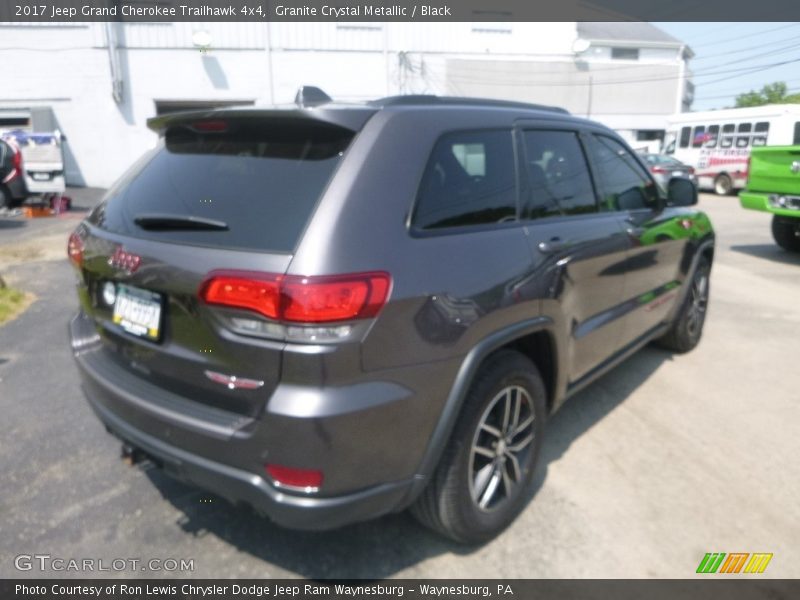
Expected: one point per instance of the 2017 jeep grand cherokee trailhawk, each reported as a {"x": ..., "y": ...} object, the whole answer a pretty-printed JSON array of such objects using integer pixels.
[{"x": 333, "y": 312}]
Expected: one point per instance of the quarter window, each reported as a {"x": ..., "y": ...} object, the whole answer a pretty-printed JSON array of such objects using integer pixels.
[
  {"x": 469, "y": 180},
  {"x": 558, "y": 179},
  {"x": 625, "y": 184}
]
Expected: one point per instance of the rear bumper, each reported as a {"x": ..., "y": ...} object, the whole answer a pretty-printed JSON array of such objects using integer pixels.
[
  {"x": 242, "y": 487},
  {"x": 225, "y": 452}
]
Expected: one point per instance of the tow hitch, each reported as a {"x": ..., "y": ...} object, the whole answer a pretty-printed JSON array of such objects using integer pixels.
[{"x": 130, "y": 455}]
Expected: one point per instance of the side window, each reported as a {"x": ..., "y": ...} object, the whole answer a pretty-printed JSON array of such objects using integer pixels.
[
  {"x": 762, "y": 131},
  {"x": 743, "y": 141},
  {"x": 727, "y": 136},
  {"x": 557, "y": 174},
  {"x": 686, "y": 134},
  {"x": 796, "y": 141},
  {"x": 713, "y": 134},
  {"x": 699, "y": 136},
  {"x": 469, "y": 180},
  {"x": 625, "y": 184}
]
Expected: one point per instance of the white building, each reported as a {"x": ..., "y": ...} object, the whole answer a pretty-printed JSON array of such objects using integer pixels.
[{"x": 99, "y": 82}]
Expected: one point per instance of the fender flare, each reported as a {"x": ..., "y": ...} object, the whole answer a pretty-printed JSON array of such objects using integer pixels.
[
  {"x": 705, "y": 244},
  {"x": 458, "y": 392}
]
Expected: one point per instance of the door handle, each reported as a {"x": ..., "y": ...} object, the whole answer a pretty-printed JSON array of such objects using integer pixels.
[{"x": 553, "y": 245}]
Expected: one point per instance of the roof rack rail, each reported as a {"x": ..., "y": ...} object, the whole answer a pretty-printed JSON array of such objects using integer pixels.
[{"x": 423, "y": 99}]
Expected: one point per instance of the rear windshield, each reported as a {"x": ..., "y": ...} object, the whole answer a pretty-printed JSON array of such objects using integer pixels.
[{"x": 261, "y": 179}]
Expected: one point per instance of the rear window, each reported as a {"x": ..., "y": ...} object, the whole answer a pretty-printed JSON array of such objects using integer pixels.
[{"x": 262, "y": 179}]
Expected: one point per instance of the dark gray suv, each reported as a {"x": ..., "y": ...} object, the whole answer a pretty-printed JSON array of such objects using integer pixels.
[{"x": 332, "y": 312}]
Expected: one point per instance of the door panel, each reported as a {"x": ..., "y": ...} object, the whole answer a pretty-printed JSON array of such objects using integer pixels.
[
  {"x": 577, "y": 251},
  {"x": 656, "y": 236},
  {"x": 582, "y": 283},
  {"x": 658, "y": 240}
]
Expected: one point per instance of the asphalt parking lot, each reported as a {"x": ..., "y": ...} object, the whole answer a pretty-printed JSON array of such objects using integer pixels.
[{"x": 662, "y": 460}]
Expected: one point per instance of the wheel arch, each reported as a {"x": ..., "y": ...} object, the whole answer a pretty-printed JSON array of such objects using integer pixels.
[{"x": 533, "y": 338}]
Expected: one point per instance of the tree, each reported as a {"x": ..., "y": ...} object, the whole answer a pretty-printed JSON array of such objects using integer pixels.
[{"x": 772, "y": 93}]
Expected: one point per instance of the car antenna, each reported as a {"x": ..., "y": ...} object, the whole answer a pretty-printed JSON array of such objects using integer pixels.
[{"x": 309, "y": 95}]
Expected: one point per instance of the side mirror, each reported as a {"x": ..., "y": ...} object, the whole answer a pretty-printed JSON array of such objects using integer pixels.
[{"x": 681, "y": 192}]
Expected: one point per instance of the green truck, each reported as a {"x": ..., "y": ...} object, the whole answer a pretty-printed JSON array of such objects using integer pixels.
[{"x": 773, "y": 185}]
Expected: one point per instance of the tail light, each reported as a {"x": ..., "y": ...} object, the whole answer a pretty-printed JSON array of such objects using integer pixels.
[
  {"x": 218, "y": 126},
  {"x": 297, "y": 299},
  {"x": 302, "y": 480},
  {"x": 658, "y": 170},
  {"x": 75, "y": 250},
  {"x": 16, "y": 165},
  {"x": 691, "y": 170}
]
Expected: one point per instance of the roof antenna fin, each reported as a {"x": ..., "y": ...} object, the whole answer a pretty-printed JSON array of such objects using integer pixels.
[{"x": 308, "y": 95}]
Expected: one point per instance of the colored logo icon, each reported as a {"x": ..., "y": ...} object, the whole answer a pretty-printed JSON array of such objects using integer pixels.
[{"x": 735, "y": 562}]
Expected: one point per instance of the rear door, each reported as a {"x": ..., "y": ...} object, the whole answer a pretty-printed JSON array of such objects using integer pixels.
[
  {"x": 216, "y": 194},
  {"x": 579, "y": 251}
]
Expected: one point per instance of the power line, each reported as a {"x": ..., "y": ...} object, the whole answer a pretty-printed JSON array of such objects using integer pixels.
[
  {"x": 793, "y": 39},
  {"x": 737, "y": 73},
  {"x": 733, "y": 94},
  {"x": 742, "y": 37},
  {"x": 706, "y": 71},
  {"x": 738, "y": 88}
]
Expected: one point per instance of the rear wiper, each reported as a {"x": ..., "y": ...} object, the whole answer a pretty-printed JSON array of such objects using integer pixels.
[{"x": 158, "y": 221}]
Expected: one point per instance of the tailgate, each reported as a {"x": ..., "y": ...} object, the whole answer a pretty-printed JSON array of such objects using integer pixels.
[
  {"x": 190, "y": 349},
  {"x": 775, "y": 169},
  {"x": 228, "y": 193}
]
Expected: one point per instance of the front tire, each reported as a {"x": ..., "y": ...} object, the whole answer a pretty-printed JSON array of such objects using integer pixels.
[
  {"x": 485, "y": 475},
  {"x": 687, "y": 328},
  {"x": 723, "y": 185},
  {"x": 786, "y": 233}
]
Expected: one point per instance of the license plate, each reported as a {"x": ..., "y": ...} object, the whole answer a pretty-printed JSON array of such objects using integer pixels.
[
  {"x": 678, "y": 174},
  {"x": 41, "y": 176},
  {"x": 138, "y": 311}
]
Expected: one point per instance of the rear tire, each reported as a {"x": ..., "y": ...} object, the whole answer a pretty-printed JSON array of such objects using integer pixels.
[
  {"x": 687, "y": 328},
  {"x": 484, "y": 477},
  {"x": 786, "y": 233},
  {"x": 5, "y": 198},
  {"x": 723, "y": 185}
]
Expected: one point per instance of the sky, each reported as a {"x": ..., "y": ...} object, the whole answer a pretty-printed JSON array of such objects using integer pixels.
[{"x": 732, "y": 58}]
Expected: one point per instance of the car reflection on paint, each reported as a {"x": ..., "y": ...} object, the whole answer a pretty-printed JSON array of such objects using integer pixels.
[{"x": 664, "y": 167}]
